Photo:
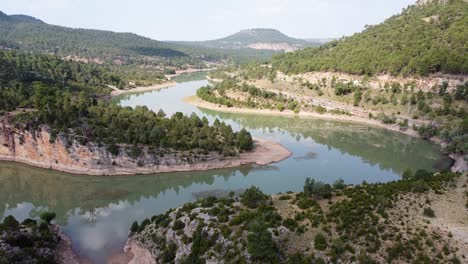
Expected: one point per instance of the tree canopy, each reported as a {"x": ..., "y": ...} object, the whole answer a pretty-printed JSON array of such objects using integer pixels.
[{"x": 421, "y": 40}]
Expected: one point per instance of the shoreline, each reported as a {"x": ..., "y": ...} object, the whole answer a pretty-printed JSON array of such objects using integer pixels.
[
  {"x": 64, "y": 253},
  {"x": 459, "y": 164},
  {"x": 264, "y": 152},
  {"x": 139, "y": 89},
  {"x": 181, "y": 72}
]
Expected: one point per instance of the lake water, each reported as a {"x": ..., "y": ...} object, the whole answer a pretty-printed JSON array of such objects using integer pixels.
[{"x": 96, "y": 212}]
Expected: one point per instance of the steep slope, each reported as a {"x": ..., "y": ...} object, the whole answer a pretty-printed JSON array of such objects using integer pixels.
[
  {"x": 259, "y": 38},
  {"x": 425, "y": 38}
]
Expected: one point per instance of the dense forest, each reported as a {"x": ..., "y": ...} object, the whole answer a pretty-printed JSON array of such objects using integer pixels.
[
  {"x": 67, "y": 97},
  {"x": 421, "y": 40},
  {"x": 32, "y": 35}
]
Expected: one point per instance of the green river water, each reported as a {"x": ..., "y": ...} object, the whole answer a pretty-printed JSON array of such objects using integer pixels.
[{"x": 96, "y": 212}]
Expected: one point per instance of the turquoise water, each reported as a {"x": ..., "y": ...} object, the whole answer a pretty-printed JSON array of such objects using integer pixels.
[{"x": 96, "y": 212}]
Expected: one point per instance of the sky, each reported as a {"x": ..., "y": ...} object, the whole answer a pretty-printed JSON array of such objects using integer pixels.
[{"x": 211, "y": 19}]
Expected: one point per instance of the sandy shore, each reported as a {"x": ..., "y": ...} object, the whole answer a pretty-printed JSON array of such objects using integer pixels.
[
  {"x": 460, "y": 165},
  {"x": 117, "y": 91},
  {"x": 194, "y": 100}
]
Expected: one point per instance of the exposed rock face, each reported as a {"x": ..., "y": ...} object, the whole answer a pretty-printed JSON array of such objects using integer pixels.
[
  {"x": 37, "y": 148},
  {"x": 63, "y": 252},
  {"x": 141, "y": 255},
  {"x": 460, "y": 163},
  {"x": 274, "y": 46},
  {"x": 425, "y": 84}
]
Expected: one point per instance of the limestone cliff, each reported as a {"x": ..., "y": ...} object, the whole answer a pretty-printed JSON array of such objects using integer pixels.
[{"x": 38, "y": 148}]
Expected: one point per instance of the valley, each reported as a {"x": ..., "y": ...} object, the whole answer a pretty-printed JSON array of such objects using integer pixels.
[{"x": 257, "y": 147}]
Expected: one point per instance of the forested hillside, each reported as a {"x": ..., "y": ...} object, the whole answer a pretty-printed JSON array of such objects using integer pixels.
[
  {"x": 66, "y": 96},
  {"x": 258, "y": 38},
  {"x": 423, "y": 39},
  {"x": 29, "y": 34}
]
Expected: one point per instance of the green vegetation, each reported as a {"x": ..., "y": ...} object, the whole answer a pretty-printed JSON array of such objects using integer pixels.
[
  {"x": 125, "y": 52},
  {"x": 317, "y": 188},
  {"x": 367, "y": 223},
  {"x": 429, "y": 212},
  {"x": 27, "y": 242},
  {"x": 253, "y": 197},
  {"x": 48, "y": 217},
  {"x": 66, "y": 96},
  {"x": 248, "y": 96},
  {"x": 320, "y": 242},
  {"x": 244, "y": 38},
  {"x": 260, "y": 244},
  {"x": 421, "y": 40}
]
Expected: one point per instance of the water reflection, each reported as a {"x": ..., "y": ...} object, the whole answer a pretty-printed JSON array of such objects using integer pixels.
[{"x": 96, "y": 212}]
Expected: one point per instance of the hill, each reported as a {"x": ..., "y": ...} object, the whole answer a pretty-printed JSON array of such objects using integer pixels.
[
  {"x": 29, "y": 34},
  {"x": 259, "y": 38},
  {"x": 403, "y": 221},
  {"x": 425, "y": 38},
  {"x": 32, "y": 35}
]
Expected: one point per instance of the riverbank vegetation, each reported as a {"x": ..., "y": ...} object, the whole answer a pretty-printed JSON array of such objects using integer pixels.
[
  {"x": 69, "y": 97},
  {"x": 233, "y": 93},
  {"x": 30, "y": 241},
  {"x": 367, "y": 223}
]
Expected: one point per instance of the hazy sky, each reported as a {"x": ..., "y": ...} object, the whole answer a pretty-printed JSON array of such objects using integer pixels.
[{"x": 210, "y": 19}]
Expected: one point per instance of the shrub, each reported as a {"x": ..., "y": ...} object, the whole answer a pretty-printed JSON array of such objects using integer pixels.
[
  {"x": 290, "y": 224},
  {"x": 339, "y": 184},
  {"x": 429, "y": 212},
  {"x": 320, "y": 242},
  {"x": 244, "y": 140},
  {"x": 407, "y": 174},
  {"x": 253, "y": 197},
  {"x": 10, "y": 223},
  {"x": 29, "y": 222},
  {"x": 305, "y": 203},
  {"x": 260, "y": 244},
  {"x": 178, "y": 225},
  {"x": 134, "y": 228},
  {"x": 169, "y": 253},
  {"x": 47, "y": 217},
  {"x": 318, "y": 188}
]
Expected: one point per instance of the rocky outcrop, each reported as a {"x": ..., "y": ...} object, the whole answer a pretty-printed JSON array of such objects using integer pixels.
[
  {"x": 39, "y": 148},
  {"x": 377, "y": 82},
  {"x": 274, "y": 46},
  {"x": 460, "y": 163},
  {"x": 34, "y": 242},
  {"x": 141, "y": 255},
  {"x": 63, "y": 252}
]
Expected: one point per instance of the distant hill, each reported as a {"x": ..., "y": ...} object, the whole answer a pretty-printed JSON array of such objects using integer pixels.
[
  {"x": 429, "y": 37},
  {"x": 259, "y": 39},
  {"x": 29, "y": 34}
]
